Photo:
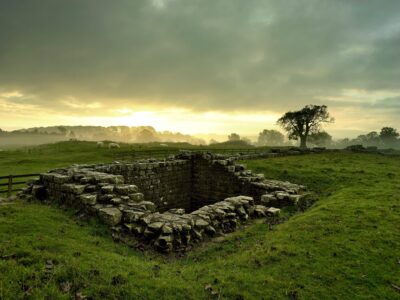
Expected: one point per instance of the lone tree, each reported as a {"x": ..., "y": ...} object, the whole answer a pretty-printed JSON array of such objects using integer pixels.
[{"x": 300, "y": 124}]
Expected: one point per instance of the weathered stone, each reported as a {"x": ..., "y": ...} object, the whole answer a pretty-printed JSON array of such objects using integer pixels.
[
  {"x": 108, "y": 189},
  {"x": 111, "y": 216},
  {"x": 147, "y": 205},
  {"x": 260, "y": 211},
  {"x": 178, "y": 211},
  {"x": 137, "y": 197},
  {"x": 130, "y": 216},
  {"x": 125, "y": 189},
  {"x": 116, "y": 201},
  {"x": 85, "y": 180},
  {"x": 282, "y": 195},
  {"x": 118, "y": 179},
  {"x": 125, "y": 198},
  {"x": 268, "y": 199},
  {"x": 272, "y": 211},
  {"x": 200, "y": 223},
  {"x": 74, "y": 188},
  {"x": 47, "y": 177},
  {"x": 241, "y": 211},
  {"x": 156, "y": 226},
  {"x": 167, "y": 229},
  {"x": 148, "y": 233},
  {"x": 58, "y": 178},
  {"x": 146, "y": 220},
  {"x": 294, "y": 199},
  {"x": 88, "y": 199}
]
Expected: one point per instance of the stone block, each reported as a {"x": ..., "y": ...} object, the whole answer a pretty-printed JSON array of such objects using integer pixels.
[
  {"x": 88, "y": 199},
  {"x": 260, "y": 211},
  {"x": 72, "y": 188},
  {"x": 60, "y": 179},
  {"x": 126, "y": 189},
  {"x": 110, "y": 215},
  {"x": 137, "y": 197},
  {"x": 274, "y": 212},
  {"x": 131, "y": 216},
  {"x": 268, "y": 199},
  {"x": 156, "y": 226},
  {"x": 107, "y": 189}
]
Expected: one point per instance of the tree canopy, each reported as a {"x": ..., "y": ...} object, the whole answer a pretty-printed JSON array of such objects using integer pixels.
[
  {"x": 300, "y": 124},
  {"x": 389, "y": 135},
  {"x": 270, "y": 138},
  {"x": 233, "y": 137},
  {"x": 321, "y": 139}
]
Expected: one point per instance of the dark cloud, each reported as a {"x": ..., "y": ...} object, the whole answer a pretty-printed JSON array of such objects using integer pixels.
[{"x": 202, "y": 54}]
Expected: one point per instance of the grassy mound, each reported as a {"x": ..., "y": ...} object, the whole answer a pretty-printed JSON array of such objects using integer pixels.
[{"x": 344, "y": 247}]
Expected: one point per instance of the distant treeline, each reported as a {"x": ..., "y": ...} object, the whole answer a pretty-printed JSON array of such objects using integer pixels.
[
  {"x": 387, "y": 137},
  {"x": 141, "y": 134}
]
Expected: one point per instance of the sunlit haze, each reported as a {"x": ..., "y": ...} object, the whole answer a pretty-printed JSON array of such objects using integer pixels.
[{"x": 205, "y": 68}]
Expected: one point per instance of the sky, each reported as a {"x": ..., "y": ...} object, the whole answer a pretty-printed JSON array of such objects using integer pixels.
[{"x": 199, "y": 66}]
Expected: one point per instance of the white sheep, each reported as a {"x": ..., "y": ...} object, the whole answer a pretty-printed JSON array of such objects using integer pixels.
[
  {"x": 113, "y": 146},
  {"x": 100, "y": 144}
]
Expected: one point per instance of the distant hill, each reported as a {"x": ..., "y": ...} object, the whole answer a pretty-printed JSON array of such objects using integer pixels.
[{"x": 126, "y": 134}]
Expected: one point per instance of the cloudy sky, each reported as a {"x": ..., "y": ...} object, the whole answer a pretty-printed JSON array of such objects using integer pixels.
[{"x": 199, "y": 66}]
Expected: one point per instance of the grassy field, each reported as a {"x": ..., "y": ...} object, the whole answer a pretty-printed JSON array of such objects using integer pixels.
[
  {"x": 62, "y": 154},
  {"x": 346, "y": 246}
]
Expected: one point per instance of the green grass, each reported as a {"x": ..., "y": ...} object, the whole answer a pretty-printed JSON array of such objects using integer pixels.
[
  {"x": 63, "y": 154},
  {"x": 347, "y": 246}
]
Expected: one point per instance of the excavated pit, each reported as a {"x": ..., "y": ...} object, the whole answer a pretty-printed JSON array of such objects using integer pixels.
[
  {"x": 171, "y": 203},
  {"x": 188, "y": 183}
]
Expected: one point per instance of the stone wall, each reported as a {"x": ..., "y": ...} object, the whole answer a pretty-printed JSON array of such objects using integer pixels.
[
  {"x": 191, "y": 181},
  {"x": 170, "y": 204},
  {"x": 216, "y": 177},
  {"x": 213, "y": 180},
  {"x": 166, "y": 183}
]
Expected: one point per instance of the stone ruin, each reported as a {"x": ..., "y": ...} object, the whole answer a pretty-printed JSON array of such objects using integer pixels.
[{"x": 169, "y": 204}]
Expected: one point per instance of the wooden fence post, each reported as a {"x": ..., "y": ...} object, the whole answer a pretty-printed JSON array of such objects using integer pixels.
[{"x": 9, "y": 185}]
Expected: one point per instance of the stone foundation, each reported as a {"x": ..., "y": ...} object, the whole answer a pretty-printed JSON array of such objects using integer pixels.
[{"x": 169, "y": 204}]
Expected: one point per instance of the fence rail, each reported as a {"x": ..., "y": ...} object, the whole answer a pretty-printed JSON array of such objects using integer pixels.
[{"x": 10, "y": 183}]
